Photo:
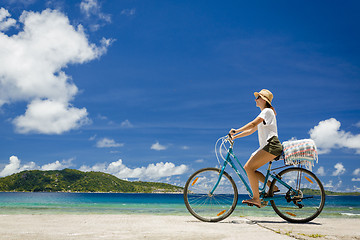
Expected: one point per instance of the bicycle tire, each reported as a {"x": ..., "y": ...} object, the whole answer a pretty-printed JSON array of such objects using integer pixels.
[
  {"x": 303, "y": 205},
  {"x": 206, "y": 207}
]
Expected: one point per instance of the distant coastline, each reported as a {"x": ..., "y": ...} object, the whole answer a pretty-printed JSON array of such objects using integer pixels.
[
  {"x": 331, "y": 193},
  {"x": 75, "y": 181},
  {"x": 181, "y": 192}
]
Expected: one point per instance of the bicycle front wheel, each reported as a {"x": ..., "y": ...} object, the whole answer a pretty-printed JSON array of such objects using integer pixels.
[
  {"x": 206, "y": 206},
  {"x": 302, "y": 202}
]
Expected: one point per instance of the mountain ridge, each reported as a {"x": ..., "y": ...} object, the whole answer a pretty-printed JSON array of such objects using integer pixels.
[{"x": 71, "y": 180}]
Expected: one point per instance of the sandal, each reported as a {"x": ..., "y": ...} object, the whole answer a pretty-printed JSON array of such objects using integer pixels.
[{"x": 251, "y": 203}]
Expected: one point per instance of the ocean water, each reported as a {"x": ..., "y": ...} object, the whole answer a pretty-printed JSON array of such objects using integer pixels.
[{"x": 142, "y": 203}]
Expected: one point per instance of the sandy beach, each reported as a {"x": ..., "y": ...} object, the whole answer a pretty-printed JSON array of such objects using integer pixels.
[{"x": 41, "y": 227}]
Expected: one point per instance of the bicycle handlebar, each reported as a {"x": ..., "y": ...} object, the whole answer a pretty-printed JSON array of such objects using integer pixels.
[
  {"x": 230, "y": 139},
  {"x": 220, "y": 147}
]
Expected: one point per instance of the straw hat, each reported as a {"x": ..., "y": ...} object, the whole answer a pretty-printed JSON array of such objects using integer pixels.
[{"x": 265, "y": 94}]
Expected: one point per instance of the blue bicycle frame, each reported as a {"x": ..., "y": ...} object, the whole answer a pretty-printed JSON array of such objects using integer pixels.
[{"x": 229, "y": 161}]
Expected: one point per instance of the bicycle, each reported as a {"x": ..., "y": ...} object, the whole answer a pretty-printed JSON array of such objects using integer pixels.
[{"x": 211, "y": 195}]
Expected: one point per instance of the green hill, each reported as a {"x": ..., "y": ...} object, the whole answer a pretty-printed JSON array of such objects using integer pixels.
[
  {"x": 329, "y": 193},
  {"x": 70, "y": 180}
]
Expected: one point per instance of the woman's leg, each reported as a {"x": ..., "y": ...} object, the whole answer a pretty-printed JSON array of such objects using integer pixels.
[
  {"x": 261, "y": 178},
  {"x": 259, "y": 159}
]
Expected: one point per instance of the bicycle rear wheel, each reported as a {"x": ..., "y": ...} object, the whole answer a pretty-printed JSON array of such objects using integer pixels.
[
  {"x": 302, "y": 204},
  {"x": 210, "y": 207}
]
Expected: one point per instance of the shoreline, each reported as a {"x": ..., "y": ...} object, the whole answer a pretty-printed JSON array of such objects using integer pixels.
[
  {"x": 94, "y": 192},
  {"x": 125, "y": 226},
  {"x": 350, "y": 194}
]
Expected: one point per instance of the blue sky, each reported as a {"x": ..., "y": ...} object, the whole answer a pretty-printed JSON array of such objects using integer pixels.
[{"x": 143, "y": 89}]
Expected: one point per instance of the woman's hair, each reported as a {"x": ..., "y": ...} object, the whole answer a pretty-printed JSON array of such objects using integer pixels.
[{"x": 267, "y": 105}]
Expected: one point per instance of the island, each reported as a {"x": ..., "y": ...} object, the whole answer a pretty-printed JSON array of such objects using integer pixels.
[
  {"x": 329, "y": 193},
  {"x": 71, "y": 180}
]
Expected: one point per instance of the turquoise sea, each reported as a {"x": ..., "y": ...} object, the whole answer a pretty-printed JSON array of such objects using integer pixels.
[{"x": 141, "y": 203}]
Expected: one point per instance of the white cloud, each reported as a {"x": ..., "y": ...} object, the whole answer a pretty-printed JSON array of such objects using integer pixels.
[
  {"x": 32, "y": 63},
  {"x": 101, "y": 117},
  {"x": 12, "y": 167},
  {"x": 92, "y": 9},
  {"x": 327, "y": 135},
  {"x": 340, "y": 169},
  {"x": 355, "y": 179},
  {"x": 150, "y": 173},
  {"x": 126, "y": 124},
  {"x": 5, "y": 21},
  {"x": 107, "y": 143},
  {"x": 329, "y": 185},
  {"x": 29, "y": 166},
  {"x": 321, "y": 171},
  {"x": 50, "y": 117},
  {"x": 15, "y": 166},
  {"x": 128, "y": 12},
  {"x": 99, "y": 167},
  {"x": 92, "y": 138},
  {"x": 88, "y": 7},
  {"x": 158, "y": 147},
  {"x": 58, "y": 165},
  {"x": 356, "y": 172}
]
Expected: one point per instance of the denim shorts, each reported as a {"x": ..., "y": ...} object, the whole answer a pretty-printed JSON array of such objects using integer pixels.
[{"x": 274, "y": 146}]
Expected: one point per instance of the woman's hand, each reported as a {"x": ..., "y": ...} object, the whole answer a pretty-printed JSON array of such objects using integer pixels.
[{"x": 232, "y": 131}]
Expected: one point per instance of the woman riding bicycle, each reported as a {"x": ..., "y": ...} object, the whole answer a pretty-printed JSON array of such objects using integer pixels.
[{"x": 270, "y": 146}]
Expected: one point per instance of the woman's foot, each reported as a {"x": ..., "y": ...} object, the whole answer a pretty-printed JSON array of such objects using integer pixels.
[{"x": 252, "y": 202}]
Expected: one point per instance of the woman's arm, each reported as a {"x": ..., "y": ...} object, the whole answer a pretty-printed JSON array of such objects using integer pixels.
[{"x": 246, "y": 130}]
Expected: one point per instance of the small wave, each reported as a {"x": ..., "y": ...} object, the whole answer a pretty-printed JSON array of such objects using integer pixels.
[{"x": 350, "y": 214}]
